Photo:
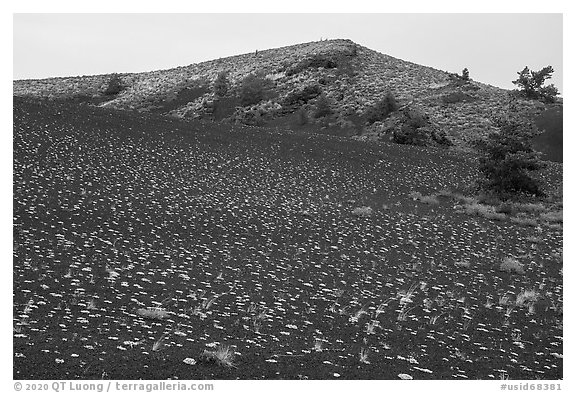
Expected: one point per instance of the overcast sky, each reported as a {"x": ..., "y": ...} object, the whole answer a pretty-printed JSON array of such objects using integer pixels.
[{"x": 492, "y": 46}]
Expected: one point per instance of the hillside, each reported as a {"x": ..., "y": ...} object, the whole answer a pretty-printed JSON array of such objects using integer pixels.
[{"x": 352, "y": 77}]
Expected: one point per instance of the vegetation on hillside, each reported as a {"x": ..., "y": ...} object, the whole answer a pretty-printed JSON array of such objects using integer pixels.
[
  {"x": 221, "y": 84},
  {"x": 382, "y": 109},
  {"x": 531, "y": 84},
  {"x": 508, "y": 156},
  {"x": 412, "y": 130},
  {"x": 297, "y": 98},
  {"x": 254, "y": 88},
  {"x": 273, "y": 85},
  {"x": 114, "y": 86},
  {"x": 323, "y": 108}
]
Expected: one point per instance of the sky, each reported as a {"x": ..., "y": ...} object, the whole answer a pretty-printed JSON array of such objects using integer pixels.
[{"x": 494, "y": 47}]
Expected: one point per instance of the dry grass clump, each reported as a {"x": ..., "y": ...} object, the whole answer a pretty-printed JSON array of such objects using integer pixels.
[
  {"x": 446, "y": 193},
  {"x": 415, "y": 195},
  {"x": 510, "y": 265},
  {"x": 521, "y": 209},
  {"x": 486, "y": 211},
  {"x": 506, "y": 208},
  {"x": 364, "y": 355},
  {"x": 535, "y": 240},
  {"x": 463, "y": 264},
  {"x": 364, "y": 211},
  {"x": 428, "y": 199},
  {"x": 524, "y": 221},
  {"x": 159, "y": 344},
  {"x": 526, "y": 298},
  {"x": 530, "y": 207},
  {"x": 153, "y": 312},
  {"x": 473, "y": 206},
  {"x": 465, "y": 199},
  {"x": 223, "y": 355},
  {"x": 488, "y": 199},
  {"x": 552, "y": 217},
  {"x": 557, "y": 227},
  {"x": 495, "y": 216}
]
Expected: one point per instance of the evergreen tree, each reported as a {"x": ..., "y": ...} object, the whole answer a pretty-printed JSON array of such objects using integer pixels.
[
  {"x": 252, "y": 90},
  {"x": 322, "y": 107},
  {"x": 531, "y": 83},
  {"x": 221, "y": 84},
  {"x": 382, "y": 109},
  {"x": 508, "y": 157},
  {"x": 114, "y": 85}
]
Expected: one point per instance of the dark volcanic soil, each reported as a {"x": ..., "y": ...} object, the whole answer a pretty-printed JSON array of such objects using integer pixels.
[{"x": 246, "y": 237}]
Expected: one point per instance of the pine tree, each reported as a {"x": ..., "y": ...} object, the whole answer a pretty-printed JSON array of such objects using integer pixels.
[
  {"x": 507, "y": 157},
  {"x": 322, "y": 107},
  {"x": 531, "y": 83},
  {"x": 382, "y": 109},
  {"x": 252, "y": 90},
  {"x": 114, "y": 85},
  {"x": 221, "y": 84}
]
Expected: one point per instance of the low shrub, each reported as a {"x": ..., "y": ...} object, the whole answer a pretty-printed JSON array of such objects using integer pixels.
[
  {"x": 506, "y": 208},
  {"x": 221, "y": 84},
  {"x": 322, "y": 108},
  {"x": 413, "y": 129},
  {"x": 446, "y": 193},
  {"x": 466, "y": 200},
  {"x": 410, "y": 136},
  {"x": 552, "y": 217},
  {"x": 302, "y": 117},
  {"x": 441, "y": 138},
  {"x": 429, "y": 200},
  {"x": 252, "y": 90},
  {"x": 382, "y": 109},
  {"x": 556, "y": 227},
  {"x": 464, "y": 264},
  {"x": 153, "y": 312},
  {"x": 527, "y": 297},
  {"x": 530, "y": 207},
  {"x": 114, "y": 86},
  {"x": 489, "y": 199},
  {"x": 477, "y": 209},
  {"x": 345, "y": 68},
  {"x": 316, "y": 61},
  {"x": 415, "y": 195},
  {"x": 364, "y": 211},
  {"x": 511, "y": 265},
  {"x": 456, "y": 97},
  {"x": 524, "y": 221},
  {"x": 489, "y": 212},
  {"x": 301, "y": 97},
  {"x": 495, "y": 216},
  {"x": 534, "y": 240},
  {"x": 223, "y": 356}
]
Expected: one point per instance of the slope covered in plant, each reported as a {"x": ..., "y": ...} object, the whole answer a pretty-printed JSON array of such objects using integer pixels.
[
  {"x": 149, "y": 247},
  {"x": 351, "y": 77}
]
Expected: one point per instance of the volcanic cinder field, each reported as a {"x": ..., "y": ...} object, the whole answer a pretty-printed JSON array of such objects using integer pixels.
[{"x": 147, "y": 247}]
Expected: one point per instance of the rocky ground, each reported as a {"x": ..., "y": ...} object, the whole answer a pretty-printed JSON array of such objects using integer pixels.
[{"x": 153, "y": 247}]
